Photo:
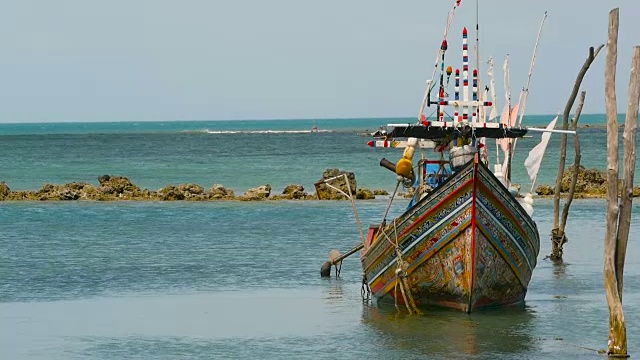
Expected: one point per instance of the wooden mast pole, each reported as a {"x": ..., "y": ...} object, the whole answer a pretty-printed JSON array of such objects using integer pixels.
[{"x": 525, "y": 93}]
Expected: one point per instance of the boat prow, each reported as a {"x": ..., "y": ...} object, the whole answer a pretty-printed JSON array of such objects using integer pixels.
[{"x": 467, "y": 245}]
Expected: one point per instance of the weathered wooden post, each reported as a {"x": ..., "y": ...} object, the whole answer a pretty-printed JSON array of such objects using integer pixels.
[
  {"x": 576, "y": 166},
  {"x": 558, "y": 237},
  {"x": 618, "y": 218},
  {"x": 617, "y": 330},
  {"x": 629, "y": 141}
]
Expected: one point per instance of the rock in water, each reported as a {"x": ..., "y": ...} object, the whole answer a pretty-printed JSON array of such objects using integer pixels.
[
  {"x": 590, "y": 181},
  {"x": 4, "y": 190},
  {"x": 118, "y": 186},
  {"x": 170, "y": 193},
  {"x": 324, "y": 192},
  {"x": 365, "y": 194},
  {"x": 182, "y": 192},
  {"x": 544, "y": 190},
  {"x": 219, "y": 192},
  {"x": 380, "y": 192},
  {"x": 259, "y": 193},
  {"x": 294, "y": 191},
  {"x": 69, "y": 191}
]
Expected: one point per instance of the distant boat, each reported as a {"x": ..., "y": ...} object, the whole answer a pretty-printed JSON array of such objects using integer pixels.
[{"x": 381, "y": 133}]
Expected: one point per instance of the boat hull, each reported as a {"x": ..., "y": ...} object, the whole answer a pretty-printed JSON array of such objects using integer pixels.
[{"x": 467, "y": 245}]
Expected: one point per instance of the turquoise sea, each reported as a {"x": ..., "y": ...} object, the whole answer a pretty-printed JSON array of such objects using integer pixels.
[{"x": 227, "y": 280}]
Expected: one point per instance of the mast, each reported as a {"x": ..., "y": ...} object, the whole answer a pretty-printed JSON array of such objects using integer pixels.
[
  {"x": 440, "y": 109},
  {"x": 438, "y": 56},
  {"x": 494, "y": 113},
  {"x": 507, "y": 92},
  {"x": 494, "y": 110},
  {"x": 477, "y": 55},
  {"x": 526, "y": 89},
  {"x": 533, "y": 61}
]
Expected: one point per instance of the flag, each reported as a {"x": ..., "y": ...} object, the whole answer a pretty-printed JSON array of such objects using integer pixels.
[
  {"x": 533, "y": 161},
  {"x": 505, "y": 165},
  {"x": 514, "y": 114},
  {"x": 507, "y": 80},
  {"x": 504, "y": 117}
]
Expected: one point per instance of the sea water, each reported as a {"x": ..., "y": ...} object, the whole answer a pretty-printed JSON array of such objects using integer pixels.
[
  {"x": 234, "y": 279},
  {"x": 239, "y": 154}
]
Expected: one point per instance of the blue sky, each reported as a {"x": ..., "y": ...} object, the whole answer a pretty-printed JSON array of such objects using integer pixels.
[{"x": 207, "y": 60}]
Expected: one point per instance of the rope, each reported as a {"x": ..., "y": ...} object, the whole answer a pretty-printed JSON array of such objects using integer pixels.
[
  {"x": 384, "y": 218},
  {"x": 401, "y": 279},
  {"x": 402, "y": 276},
  {"x": 404, "y": 294},
  {"x": 558, "y": 241},
  {"x": 401, "y": 270}
]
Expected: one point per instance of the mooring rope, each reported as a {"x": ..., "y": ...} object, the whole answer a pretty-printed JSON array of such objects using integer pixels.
[
  {"x": 401, "y": 273},
  {"x": 384, "y": 218},
  {"x": 401, "y": 277}
]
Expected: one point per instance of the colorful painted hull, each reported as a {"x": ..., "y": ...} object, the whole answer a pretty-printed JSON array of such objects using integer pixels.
[{"x": 469, "y": 244}]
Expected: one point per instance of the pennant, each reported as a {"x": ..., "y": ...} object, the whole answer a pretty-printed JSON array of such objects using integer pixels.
[{"x": 505, "y": 72}]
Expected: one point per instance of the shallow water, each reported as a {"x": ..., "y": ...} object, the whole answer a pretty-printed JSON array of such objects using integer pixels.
[{"x": 241, "y": 280}]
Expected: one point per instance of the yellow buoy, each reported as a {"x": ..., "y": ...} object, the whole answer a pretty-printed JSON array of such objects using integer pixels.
[{"x": 403, "y": 167}]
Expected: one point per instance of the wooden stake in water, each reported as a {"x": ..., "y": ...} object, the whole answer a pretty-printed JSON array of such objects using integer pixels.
[
  {"x": 616, "y": 231},
  {"x": 557, "y": 233}
]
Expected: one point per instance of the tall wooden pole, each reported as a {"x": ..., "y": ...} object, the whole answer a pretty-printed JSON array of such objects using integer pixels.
[
  {"x": 617, "y": 345},
  {"x": 629, "y": 140}
]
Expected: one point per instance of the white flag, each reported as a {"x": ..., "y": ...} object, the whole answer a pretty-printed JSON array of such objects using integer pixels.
[
  {"x": 533, "y": 161},
  {"x": 507, "y": 80}
]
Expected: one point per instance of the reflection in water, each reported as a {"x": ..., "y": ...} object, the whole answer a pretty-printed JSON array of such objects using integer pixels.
[
  {"x": 560, "y": 270},
  {"x": 448, "y": 333},
  {"x": 335, "y": 291}
]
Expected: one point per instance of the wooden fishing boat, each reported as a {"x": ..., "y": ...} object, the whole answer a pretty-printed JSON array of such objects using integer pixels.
[
  {"x": 467, "y": 244},
  {"x": 467, "y": 239}
]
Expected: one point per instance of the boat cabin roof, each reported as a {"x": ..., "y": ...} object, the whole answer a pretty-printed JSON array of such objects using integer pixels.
[{"x": 441, "y": 129}]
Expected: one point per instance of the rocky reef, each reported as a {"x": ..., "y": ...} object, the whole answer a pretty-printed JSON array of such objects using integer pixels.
[
  {"x": 592, "y": 183},
  {"x": 111, "y": 188},
  {"x": 336, "y": 179}
]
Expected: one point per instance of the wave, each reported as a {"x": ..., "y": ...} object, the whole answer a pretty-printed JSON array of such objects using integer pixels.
[{"x": 225, "y": 132}]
